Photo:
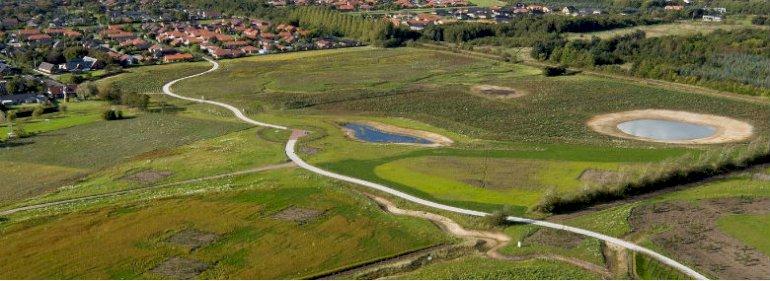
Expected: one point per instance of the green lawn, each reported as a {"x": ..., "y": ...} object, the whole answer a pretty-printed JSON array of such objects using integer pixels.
[
  {"x": 77, "y": 113},
  {"x": 753, "y": 230}
]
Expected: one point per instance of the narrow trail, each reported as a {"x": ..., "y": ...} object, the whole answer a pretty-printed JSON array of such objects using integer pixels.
[
  {"x": 297, "y": 134},
  {"x": 496, "y": 240},
  {"x": 126, "y": 191}
]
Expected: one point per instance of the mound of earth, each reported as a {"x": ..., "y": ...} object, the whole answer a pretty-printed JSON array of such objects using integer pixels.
[
  {"x": 148, "y": 176},
  {"x": 180, "y": 268},
  {"x": 193, "y": 238},
  {"x": 690, "y": 234},
  {"x": 299, "y": 215},
  {"x": 497, "y": 92},
  {"x": 556, "y": 238}
]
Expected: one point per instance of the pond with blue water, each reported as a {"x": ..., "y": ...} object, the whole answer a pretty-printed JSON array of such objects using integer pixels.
[
  {"x": 666, "y": 130},
  {"x": 372, "y": 134}
]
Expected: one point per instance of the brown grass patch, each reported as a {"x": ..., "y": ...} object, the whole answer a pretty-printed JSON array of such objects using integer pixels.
[
  {"x": 600, "y": 177},
  {"x": 193, "y": 238},
  {"x": 496, "y": 92},
  {"x": 180, "y": 268},
  {"x": 148, "y": 176},
  {"x": 299, "y": 215}
]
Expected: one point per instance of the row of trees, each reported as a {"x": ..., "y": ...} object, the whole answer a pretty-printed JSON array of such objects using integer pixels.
[
  {"x": 327, "y": 21},
  {"x": 526, "y": 31}
]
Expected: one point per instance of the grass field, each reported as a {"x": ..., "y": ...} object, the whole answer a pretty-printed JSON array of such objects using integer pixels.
[
  {"x": 483, "y": 268},
  {"x": 77, "y": 113},
  {"x": 683, "y": 28},
  {"x": 65, "y": 154},
  {"x": 128, "y": 239}
]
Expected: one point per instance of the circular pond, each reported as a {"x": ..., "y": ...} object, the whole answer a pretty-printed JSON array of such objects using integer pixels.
[
  {"x": 666, "y": 130},
  {"x": 669, "y": 126}
]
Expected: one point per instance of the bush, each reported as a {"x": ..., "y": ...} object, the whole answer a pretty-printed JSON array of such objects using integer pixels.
[
  {"x": 63, "y": 107},
  {"x": 38, "y": 111},
  {"x": 499, "y": 218},
  {"x": 554, "y": 71},
  {"x": 112, "y": 114},
  {"x": 109, "y": 92},
  {"x": 140, "y": 101}
]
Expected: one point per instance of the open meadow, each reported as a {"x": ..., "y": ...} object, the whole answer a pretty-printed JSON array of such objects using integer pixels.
[
  {"x": 195, "y": 194},
  {"x": 541, "y": 134}
]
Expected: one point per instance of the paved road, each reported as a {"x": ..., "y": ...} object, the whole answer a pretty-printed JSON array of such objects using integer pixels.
[{"x": 296, "y": 134}]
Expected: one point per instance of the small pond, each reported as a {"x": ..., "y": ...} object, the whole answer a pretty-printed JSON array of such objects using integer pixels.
[
  {"x": 371, "y": 134},
  {"x": 666, "y": 130}
]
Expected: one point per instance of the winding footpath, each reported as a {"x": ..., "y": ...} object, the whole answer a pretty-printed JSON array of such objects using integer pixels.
[{"x": 297, "y": 134}]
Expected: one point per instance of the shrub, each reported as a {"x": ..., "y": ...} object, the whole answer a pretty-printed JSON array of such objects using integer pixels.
[
  {"x": 112, "y": 114},
  {"x": 140, "y": 101},
  {"x": 87, "y": 90},
  {"x": 500, "y": 217},
  {"x": 38, "y": 111},
  {"x": 11, "y": 115},
  {"x": 63, "y": 107},
  {"x": 554, "y": 71},
  {"x": 2, "y": 117}
]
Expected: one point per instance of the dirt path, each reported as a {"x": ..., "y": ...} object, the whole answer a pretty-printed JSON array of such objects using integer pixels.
[
  {"x": 121, "y": 192},
  {"x": 495, "y": 240}
]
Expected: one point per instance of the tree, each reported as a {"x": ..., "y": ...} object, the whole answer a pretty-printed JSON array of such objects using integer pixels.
[
  {"x": 87, "y": 90},
  {"x": 554, "y": 70},
  {"x": 109, "y": 92},
  {"x": 74, "y": 52}
]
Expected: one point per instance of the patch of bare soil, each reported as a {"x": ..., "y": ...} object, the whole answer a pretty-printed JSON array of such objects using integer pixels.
[
  {"x": 552, "y": 237},
  {"x": 727, "y": 129},
  {"x": 600, "y": 177},
  {"x": 309, "y": 150},
  {"x": 496, "y": 92},
  {"x": 193, "y": 238},
  {"x": 689, "y": 233},
  {"x": 180, "y": 268},
  {"x": 298, "y": 215},
  {"x": 148, "y": 176}
]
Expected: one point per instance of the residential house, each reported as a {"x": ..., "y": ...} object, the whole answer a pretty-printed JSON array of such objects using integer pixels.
[
  {"x": 79, "y": 64},
  {"x": 177, "y": 57},
  {"x": 48, "y": 68},
  {"x": 61, "y": 92}
]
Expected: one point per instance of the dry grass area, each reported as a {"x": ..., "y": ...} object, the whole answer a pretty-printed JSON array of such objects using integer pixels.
[{"x": 683, "y": 28}]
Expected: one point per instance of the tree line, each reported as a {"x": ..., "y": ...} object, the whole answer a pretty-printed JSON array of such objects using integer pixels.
[{"x": 737, "y": 61}]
